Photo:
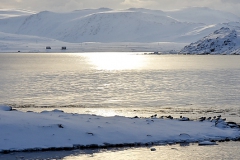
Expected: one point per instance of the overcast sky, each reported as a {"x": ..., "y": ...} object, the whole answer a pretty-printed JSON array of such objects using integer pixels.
[{"x": 70, "y": 5}]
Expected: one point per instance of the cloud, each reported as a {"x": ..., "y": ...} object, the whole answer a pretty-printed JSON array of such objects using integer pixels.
[
  {"x": 231, "y": 1},
  {"x": 69, "y": 5},
  {"x": 62, "y": 5}
]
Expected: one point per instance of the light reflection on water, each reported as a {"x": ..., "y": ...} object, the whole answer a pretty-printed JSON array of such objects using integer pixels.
[
  {"x": 116, "y": 61},
  {"x": 120, "y": 80},
  {"x": 222, "y": 151},
  {"x": 226, "y": 150}
]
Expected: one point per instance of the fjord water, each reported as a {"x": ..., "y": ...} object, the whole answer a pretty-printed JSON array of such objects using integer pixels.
[
  {"x": 226, "y": 151},
  {"x": 119, "y": 80}
]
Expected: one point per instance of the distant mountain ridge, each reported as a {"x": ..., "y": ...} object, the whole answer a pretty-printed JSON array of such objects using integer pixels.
[
  {"x": 107, "y": 25},
  {"x": 104, "y": 25}
]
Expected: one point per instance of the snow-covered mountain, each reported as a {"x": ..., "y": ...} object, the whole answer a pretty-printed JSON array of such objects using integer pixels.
[
  {"x": 103, "y": 25},
  {"x": 222, "y": 41},
  {"x": 106, "y": 26}
]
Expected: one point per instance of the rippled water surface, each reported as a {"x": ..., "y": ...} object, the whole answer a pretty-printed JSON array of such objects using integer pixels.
[
  {"x": 119, "y": 80},
  {"x": 226, "y": 151}
]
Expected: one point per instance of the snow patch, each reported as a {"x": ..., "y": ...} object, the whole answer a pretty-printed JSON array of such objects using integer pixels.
[{"x": 25, "y": 131}]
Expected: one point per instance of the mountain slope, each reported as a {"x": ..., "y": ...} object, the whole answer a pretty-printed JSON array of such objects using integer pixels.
[
  {"x": 130, "y": 29},
  {"x": 122, "y": 27},
  {"x": 222, "y": 41},
  {"x": 106, "y": 25}
]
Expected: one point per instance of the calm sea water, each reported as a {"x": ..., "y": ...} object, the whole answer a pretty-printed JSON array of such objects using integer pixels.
[
  {"x": 224, "y": 151},
  {"x": 119, "y": 80},
  {"x": 124, "y": 84}
]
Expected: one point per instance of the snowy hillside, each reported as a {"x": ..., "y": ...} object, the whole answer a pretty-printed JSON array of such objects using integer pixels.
[
  {"x": 103, "y": 25},
  {"x": 14, "y": 43},
  {"x": 107, "y": 26},
  {"x": 222, "y": 41}
]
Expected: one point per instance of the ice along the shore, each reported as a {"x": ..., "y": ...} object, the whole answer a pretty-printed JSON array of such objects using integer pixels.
[{"x": 30, "y": 131}]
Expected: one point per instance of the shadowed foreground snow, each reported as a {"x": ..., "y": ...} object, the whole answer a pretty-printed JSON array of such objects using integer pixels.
[{"x": 55, "y": 129}]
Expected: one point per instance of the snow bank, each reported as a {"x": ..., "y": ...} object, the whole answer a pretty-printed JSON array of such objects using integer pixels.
[{"x": 56, "y": 129}]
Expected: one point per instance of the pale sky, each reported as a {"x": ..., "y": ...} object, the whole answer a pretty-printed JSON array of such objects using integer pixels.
[{"x": 70, "y": 5}]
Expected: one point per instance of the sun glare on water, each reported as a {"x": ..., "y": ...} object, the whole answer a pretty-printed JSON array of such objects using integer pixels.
[{"x": 115, "y": 61}]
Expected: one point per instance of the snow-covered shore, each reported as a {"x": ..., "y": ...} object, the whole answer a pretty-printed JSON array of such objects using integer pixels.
[
  {"x": 9, "y": 43},
  {"x": 29, "y": 131}
]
